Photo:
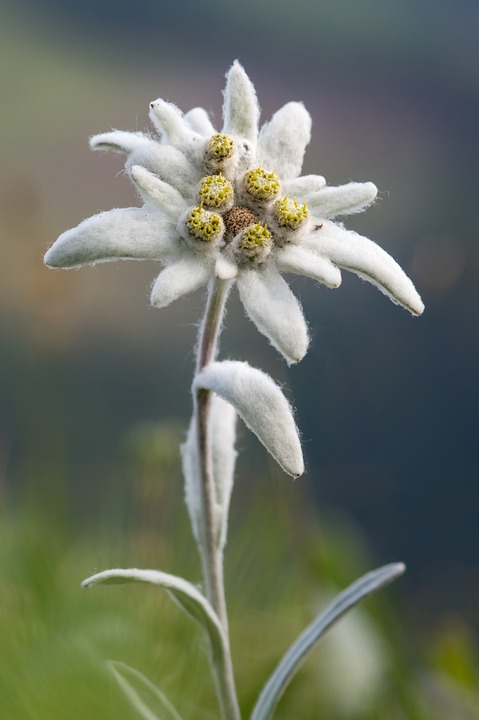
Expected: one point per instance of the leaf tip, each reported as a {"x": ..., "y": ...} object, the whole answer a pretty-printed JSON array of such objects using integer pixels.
[{"x": 398, "y": 569}]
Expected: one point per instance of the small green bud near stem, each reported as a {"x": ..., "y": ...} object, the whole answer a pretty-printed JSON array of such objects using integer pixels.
[
  {"x": 216, "y": 192},
  {"x": 289, "y": 213},
  {"x": 204, "y": 225},
  {"x": 261, "y": 184}
]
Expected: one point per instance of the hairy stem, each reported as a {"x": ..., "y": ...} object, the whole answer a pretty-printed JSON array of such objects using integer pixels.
[{"x": 211, "y": 555}]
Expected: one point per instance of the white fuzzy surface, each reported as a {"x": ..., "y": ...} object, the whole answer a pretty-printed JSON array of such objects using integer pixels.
[
  {"x": 126, "y": 233},
  {"x": 342, "y": 200},
  {"x": 275, "y": 311},
  {"x": 182, "y": 277},
  {"x": 351, "y": 251},
  {"x": 169, "y": 200},
  {"x": 191, "y": 475},
  {"x": 170, "y": 123},
  {"x": 301, "y": 186},
  {"x": 197, "y": 119},
  {"x": 226, "y": 268},
  {"x": 282, "y": 141},
  {"x": 169, "y": 164},
  {"x": 261, "y": 405},
  {"x": 240, "y": 107},
  {"x": 165, "y": 161},
  {"x": 299, "y": 260},
  {"x": 223, "y": 459},
  {"x": 119, "y": 141},
  {"x": 222, "y": 434}
]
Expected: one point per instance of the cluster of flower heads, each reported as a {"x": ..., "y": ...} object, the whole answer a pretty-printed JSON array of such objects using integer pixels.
[{"x": 232, "y": 205}]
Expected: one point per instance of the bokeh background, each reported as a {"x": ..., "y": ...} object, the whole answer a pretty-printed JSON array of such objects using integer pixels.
[{"x": 94, "y": 384}]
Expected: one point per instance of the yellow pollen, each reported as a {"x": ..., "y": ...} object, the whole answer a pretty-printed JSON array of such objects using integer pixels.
[
  {"x": 256, "y": 237},
  {"x": 220, "y": 147},
  {"x": 203, "y": 224},
  {"x": 215, "y": 191},
  {"x": 261, "y": 184},
  {"x": 289, "y": 213}
]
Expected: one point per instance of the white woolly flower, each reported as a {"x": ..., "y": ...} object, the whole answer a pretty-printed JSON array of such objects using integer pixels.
[{"x": 232, "y": 205}]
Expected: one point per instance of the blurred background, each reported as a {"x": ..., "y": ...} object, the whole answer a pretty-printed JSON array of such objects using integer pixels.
[{"x": 94, "y": 384}]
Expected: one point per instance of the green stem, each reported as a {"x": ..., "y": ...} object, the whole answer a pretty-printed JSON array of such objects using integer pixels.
[{"x": 211, "y": 555}]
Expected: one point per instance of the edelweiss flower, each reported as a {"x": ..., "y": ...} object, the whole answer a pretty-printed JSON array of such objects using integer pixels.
[{"x": 231, "y": 205}]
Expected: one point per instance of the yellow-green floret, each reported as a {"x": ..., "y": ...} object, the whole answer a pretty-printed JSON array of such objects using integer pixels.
[
  {"x": 220, "y": 147},
  {"x": 261, "y": 184},
  {"x": 204, "y": 225},
  {"x": 216, "y": 192},
  {"x": 255, "y": 242},
  {"x": 289, "y": 213}
]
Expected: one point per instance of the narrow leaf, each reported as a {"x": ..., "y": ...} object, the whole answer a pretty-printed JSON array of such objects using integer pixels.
[
  {"x": 294, "y": 657},
  {"x": 186, "y": 595},
  {"x": 222, "y": 436},
  {"x": 145, "y": 697},
  {"x": 261, "y": 404}
]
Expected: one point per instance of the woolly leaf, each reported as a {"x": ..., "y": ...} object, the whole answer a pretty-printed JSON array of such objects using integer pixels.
[
  {"x": 223, "y": 459},
  {"x": 186, "y": 595},
  {"x": 261, "y": 404}
]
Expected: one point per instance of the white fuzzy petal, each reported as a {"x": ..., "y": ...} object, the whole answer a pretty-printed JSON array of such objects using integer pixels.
[
  {"x": 119, "y": 141},
  {"x": 304, "y": 185},
  {"x": 261, "y": 404},
  {"x": 164, "y": 160},
  {"x": 298, "y": 260},
  {"x": 240, "y": 108},
  {"x": 283, "y": 140},
  {"x": 169, "y": 164},
  {"x": 151, "y": 187},
  {"x": 170, "y": 123},
  {"x": 342, "y": 200},
  {"x": 275, "y": 311},
  {"x": 126, "y": 233},
  {"x": 181, "y": 278},
  {"x": 197, "y": 119},
  {"x": 354, "y": 252}
]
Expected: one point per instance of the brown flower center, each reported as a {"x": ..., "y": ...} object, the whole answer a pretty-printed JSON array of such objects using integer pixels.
[{"x": 237, "y": 219}]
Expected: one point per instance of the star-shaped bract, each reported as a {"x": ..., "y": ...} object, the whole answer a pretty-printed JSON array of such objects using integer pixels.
[{"x": 232, "y": 205}]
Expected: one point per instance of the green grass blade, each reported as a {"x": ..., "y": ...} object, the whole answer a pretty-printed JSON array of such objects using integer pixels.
[
  {"x": 145, "y": 697},
  {"x": 293, "y": 658}
]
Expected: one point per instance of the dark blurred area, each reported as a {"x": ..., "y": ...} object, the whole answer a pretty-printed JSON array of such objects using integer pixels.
[{"x": 387, "y": 404}]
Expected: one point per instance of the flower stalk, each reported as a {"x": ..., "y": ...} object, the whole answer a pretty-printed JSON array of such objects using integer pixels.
[{"x": 211, "y": 555}]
